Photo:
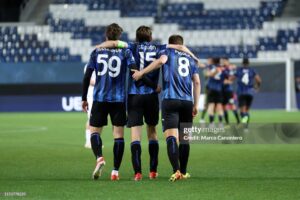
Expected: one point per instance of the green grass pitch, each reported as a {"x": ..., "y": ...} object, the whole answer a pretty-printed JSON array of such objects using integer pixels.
[{"x": 42, "y": 154}]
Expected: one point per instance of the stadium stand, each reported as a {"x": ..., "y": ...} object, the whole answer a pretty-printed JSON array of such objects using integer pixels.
[{"x": 232, "y": 28}]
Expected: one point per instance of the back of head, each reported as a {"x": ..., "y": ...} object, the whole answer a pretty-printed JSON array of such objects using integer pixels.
[
  {"x": 113, "y": 31},
  {"x": 176, "y": 39},
  {"x": 143, "y": 34},
  {"x": 216, "y": 61},
  {"x": 246, "y": 62}
]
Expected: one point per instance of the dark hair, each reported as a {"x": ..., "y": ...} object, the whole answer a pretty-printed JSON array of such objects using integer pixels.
[
  {"x": 225, "y": 58},
  {"x": 113, "y": 31},
  {"x": 143, "y": 34},
  {"x": 246, "y": 61},
  {"x": 176, "y": 39},
  {"x": 216, "y": 60}
]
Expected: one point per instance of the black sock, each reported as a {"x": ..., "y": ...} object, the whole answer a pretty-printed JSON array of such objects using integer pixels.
[
  {"x": 136, "y": 156},
  {"x": 203, "y": 114},
  {"x": 96, "y": 144},
  {"x": 118, "y": 152},
  {"x": 220, "y": 118},
  {"x": 153, "y": 152},
  {"x": 236, "y": 116},
  {"x": 211, "y": 118},
  {"x": 226, "y": 117},
  {"x": 173, "y": 152},
  {"x": 184, "y": 152}
]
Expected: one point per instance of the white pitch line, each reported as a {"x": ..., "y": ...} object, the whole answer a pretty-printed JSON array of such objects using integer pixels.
[{"x": 26, "y": 129}]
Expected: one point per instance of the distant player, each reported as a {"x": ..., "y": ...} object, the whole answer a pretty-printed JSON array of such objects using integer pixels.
[
  {"x": 247, "y": 82},
  {"x": 143, "y": 102},
  {"x": 90, "y": 102},
  {"x": 181, "y": 85},
  {"x": 215, "y": 86},
  {"x": 109, "y": 98},
  {"x": 206, "y": 67},
  {"x": 227, "y": 90}
]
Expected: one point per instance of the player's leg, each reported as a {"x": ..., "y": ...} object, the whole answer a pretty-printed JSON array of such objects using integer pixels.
[
  {"x": 98, "y": 119},
  {"x": 219, "y": 107},
  {"x": 151, "y": 115},
  {"x": 225, "y": 102},
  {"x": 243, "y": 108},
  {"x": 234, "y": 107},
  {"x": 249, "y": 99},
  {"x": 117, "y": 113},
  {"x": 185, "y": 116},
  {"x": 202, "y": 119},
  {"x": 87, "y": 125},
  {"x": 135, "y": 122},
  {"x": 213, "y": 99},
  {"x": 170, "y": 120},
  {"x": 87, "y": 135}
]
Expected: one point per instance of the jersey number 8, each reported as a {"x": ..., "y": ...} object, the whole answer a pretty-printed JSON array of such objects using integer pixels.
[
  {"x": 114, "y": 71},
  {"x": 183, "y": 68}
]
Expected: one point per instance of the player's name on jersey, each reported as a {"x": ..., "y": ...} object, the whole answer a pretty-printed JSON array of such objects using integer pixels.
[
  {"x": 182, "y": 53},
  {"x": 148, "y": 47},
  {"x": 111, "y": 50}
]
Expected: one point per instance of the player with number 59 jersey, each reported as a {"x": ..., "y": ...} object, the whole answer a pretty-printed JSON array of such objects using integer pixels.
[{"x": 110, "y": 66}]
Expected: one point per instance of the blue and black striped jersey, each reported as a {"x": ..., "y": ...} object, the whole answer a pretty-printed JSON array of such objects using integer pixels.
[
  {"x": 177, "y": 75},
  {"x": 110, "y": 66},
  {"x": 144, "y": 53}
]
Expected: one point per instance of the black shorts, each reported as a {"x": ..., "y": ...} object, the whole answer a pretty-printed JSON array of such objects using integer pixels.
[
  {"x": 245, "y": 100},
  {"x": 214, "y": 96},
  {"x": 100, "y": 111},
  {"x": 227, "y": 98},
  {"x": 141, "y": 106},
  {"x": 175, "y": 112}
]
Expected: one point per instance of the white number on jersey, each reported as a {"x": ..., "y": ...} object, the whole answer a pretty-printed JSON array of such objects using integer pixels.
[
  {"x": 150, "y": 56},
  {"x": 183, "y": 68},
  {"x": 245, "y": 79},
  {"x": 114, "y": 71}
]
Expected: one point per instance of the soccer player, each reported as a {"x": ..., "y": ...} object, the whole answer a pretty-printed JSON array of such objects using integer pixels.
[
  {"x": 207, "y": 66},
  {"x": 247, "y": 82},
  {"x": 181, "y": 85},
  {"x": 143, "y": 101},
  {"x": 227, "y": 90},
  {"x": 90, "y": 102},
  {"x": 110, "y": 66},
  {"x": 214, "y": 85}
]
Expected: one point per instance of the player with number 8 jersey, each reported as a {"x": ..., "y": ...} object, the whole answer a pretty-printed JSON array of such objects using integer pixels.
[{"x": 181, "y": 91}]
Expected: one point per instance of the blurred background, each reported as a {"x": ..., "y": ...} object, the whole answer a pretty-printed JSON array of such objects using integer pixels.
[{"x": 44, "y": 44}]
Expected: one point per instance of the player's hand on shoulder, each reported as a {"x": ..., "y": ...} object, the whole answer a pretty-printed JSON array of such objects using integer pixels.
[{"x": 85, "y": 106}]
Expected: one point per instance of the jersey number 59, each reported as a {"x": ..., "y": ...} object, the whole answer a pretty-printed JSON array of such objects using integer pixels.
[{"x": 114, "y": 70}]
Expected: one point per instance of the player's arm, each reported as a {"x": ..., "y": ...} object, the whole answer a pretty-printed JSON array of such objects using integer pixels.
[
  {"x": 212, "y": 72},
  {"x": 113, "y": 44},
  {"x": 257, "y": 81},
  {"x": 92, "y": 82},
  {"x": 137, "y": 75},
  {"x": 85, "y": 86},
  {"x": 145, "y": 79},
  {"x": 196, "y": 93},
  {"x": 188, "y": 51}
]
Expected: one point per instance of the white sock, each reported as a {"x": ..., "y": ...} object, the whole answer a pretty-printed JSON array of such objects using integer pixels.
[{"x": 87, "y": 136}]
